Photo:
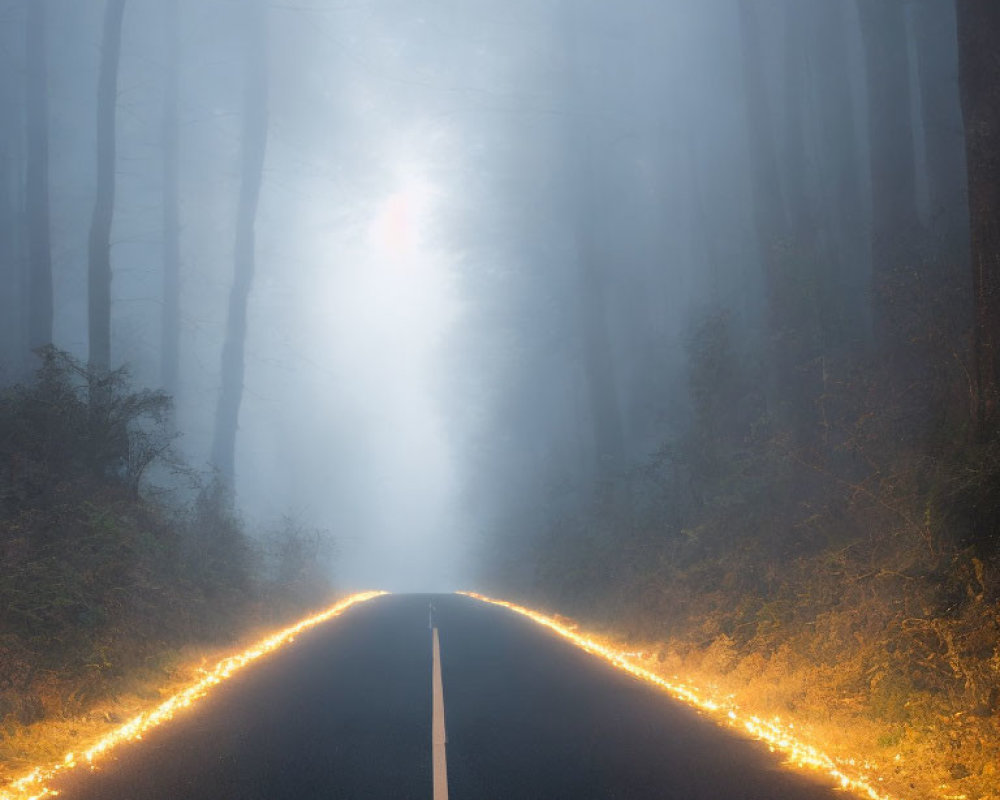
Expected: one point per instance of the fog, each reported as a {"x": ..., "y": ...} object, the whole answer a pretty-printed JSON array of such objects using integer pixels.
[{"x": 488, "y": 236}]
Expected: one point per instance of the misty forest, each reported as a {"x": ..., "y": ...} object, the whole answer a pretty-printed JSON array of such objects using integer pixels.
[{"x": 680, "y": 319}]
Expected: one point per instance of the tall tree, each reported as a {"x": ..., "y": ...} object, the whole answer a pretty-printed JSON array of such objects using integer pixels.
[
  {"x": 937, "y": 68},
  {"x": 99, "y": 274},
  {"x": 798, "y": 77},
  {"x": 839, "y": 154},
  {"x": 770, "y": 220},
  {"x": 945, "y": 289},
  {"x": 805, "y": 313},
  {"x": 780, "y": 217},
  {"x": 254, "y": 148},
  {"x": 586, "y": 187},
  {"x": 13, "y": 339},
  {"x": 895, "y": 222},
  {"x": 979, "y": 76},
  {"x": 170, "y": 321},
  {"x": 37, "y": 179}
]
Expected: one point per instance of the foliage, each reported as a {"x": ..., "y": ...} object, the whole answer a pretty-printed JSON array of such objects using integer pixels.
[
  {"x": 297, "y": 563},
  {"x": 74, "y": 424},
  {"x": 101, "y": 582},
  {"x": 829, "y": 542}
]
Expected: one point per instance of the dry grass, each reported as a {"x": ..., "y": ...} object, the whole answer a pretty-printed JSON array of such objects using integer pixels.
[
  {"x": 929, "y": 746},
  {"x": 24, "y": 746}
]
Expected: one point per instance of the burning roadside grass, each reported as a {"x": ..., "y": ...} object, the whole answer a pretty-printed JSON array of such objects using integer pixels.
[
  {"x": 800, "y": 712},
  {"x": 34, "y": 783}
]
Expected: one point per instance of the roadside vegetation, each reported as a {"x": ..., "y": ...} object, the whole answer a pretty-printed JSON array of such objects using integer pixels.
[
  {"x": 114, "y": 585},
  {"x": 801, "y": 503},
  {"x": 834, "y": 563}
]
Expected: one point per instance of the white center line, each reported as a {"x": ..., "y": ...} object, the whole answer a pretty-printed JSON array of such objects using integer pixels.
[{"x": 438, "y": 738}]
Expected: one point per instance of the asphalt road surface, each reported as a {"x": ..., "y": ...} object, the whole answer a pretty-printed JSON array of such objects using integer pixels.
[{"x": 345, "y": 712}]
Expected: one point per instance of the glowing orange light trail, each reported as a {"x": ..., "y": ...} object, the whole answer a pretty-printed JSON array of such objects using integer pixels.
[
  {"x": 777, "y": 735},
  {"x": 32, "y": 786}
]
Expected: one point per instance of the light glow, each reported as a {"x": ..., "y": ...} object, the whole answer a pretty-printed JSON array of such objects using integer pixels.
[
  {"x": 33, "y": 785},
  {"x": 397, "y": 232},
  {"x": 777, "y": 735},
  {"x": 384, "y": 311}
]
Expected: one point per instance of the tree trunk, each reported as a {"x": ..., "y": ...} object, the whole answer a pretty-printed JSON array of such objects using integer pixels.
[
  {"x": 797, "y": 81},
  {"x": 37, "y": 180},
  {"x": 895, "y": 223},
  {"x": 937, "y": 67},
  {"x": 13, "y": 326},
  {"x": 805, "y": 315},
  {"x": 99, "y": 274},
  {"x": 979, "y": 77},
  {"x": 846, "y": 223},
  {"x": 770, "y": 220},
  {"x": 254, "y": 147},
  {"x": 584, "y": 187},
  {"x": 786, "y": 391},
  {"x": 170, "y": 321}
]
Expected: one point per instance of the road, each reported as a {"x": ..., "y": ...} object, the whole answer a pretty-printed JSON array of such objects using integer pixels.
[{"x": 346, "y": 712}]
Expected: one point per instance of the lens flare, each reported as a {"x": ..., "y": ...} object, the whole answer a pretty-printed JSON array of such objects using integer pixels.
[
  {"x": 32, "y": 786},
  {"x": 778, "y": 735}
]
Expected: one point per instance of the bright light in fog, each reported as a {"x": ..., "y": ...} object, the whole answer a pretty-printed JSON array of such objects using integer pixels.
[
  {"x": 405, "y": 288},
  {"x": 372, "y": 326},
  {"x": 394, "y": 302},
  {"x": 396, "y": 229}
]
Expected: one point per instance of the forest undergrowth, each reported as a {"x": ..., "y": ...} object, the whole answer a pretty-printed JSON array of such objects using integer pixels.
[
  {"x": 113, "y": 587},
  {"x": 841, "y": 574}
]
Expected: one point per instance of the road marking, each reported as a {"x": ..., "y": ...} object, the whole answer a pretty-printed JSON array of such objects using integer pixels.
[{"x": 438, "y": 738}]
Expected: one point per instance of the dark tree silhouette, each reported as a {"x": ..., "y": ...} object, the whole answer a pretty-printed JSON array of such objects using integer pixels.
[
  {"x": 13, "y": 271},
  {"x": 170, "y": 323},
  {"x": 842, "y": 212},
  {"x": 782, "y": 218},
  {"x": 979, "y": 71},
  {"x": 37, "y": 180},
  {"x": 895, "y": 223},
  {"x": 254, "y": 148},
  {"x": 937, "y": 68},
  {"x": 768, "y": 206},
  {"x": 585, "y": 188},
  {"x": 99, "y": 276}
]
